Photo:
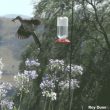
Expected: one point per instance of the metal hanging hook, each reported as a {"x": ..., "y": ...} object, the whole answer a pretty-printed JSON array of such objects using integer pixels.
[{"x": 62, "y": 5}]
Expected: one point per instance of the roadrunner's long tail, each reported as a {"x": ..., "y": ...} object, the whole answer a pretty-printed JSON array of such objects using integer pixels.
[
  {"x": 37, "y": 42},
  {"x": 36, "y": 39}
]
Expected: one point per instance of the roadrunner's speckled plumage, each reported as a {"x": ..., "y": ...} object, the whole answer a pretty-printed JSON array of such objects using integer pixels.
[{"x": 27, "y": 29}]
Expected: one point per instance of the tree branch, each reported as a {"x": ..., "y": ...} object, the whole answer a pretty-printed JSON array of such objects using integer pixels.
[{"x": 100, "y": 24}]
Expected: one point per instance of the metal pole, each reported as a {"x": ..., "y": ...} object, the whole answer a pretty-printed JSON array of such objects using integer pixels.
[{"x": 71, "y": 56}]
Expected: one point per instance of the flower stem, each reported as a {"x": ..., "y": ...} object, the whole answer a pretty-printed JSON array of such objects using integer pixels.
[
  {"x": 45, "y": 103},
  {"x": 49, "y": 104},
  {"x": 20, "y": 101},
  {"x": 71, "y": 101}
]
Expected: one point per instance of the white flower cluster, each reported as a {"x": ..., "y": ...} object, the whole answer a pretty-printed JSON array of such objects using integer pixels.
[
  {"x": 6, "y": 104},
  {"x": 4, "y": 87},
  {"x": 3, "y": 93},
  {"x": 56, "y": 64},
  {"x": 31, "y": 74},
  {"x": 65, "y": 84},
  {"x": 51, "y": 95},
  {"x": 32, "y": 62},
  {"x": 75, "y": 69},
  {"x": 46, "y": 84},
  {"x": 22, "y": 81}
]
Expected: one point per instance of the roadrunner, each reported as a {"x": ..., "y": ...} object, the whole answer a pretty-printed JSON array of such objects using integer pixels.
[{"x": 27, "y": 29}]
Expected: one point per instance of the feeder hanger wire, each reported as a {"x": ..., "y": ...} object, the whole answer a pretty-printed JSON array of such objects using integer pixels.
[{"x": 62, "y": 6}]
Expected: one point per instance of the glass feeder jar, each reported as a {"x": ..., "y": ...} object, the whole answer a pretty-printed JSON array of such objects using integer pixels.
[{"x": 62, "y": 27}]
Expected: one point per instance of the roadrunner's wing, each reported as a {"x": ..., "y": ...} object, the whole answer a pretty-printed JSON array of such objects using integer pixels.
[{"x": 22, "y": 33}]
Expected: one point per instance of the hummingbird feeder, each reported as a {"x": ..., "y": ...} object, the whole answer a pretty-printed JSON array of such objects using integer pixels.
[{"x": 62, "y": 30}]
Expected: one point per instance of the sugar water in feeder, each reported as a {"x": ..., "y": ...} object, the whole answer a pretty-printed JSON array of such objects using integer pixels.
[
  {"x": 62, "y": 30},
  {"x": 62, "y": 27}
]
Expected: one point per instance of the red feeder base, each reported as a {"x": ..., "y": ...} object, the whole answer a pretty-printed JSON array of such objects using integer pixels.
[{"x": 63, "y": 41}]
